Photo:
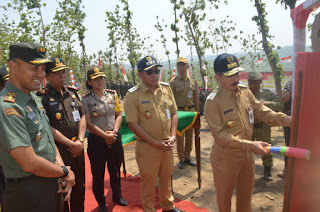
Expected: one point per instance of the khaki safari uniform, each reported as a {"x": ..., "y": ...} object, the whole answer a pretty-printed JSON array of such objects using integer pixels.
[
  {"x": 60, "y": 109},
  {"x": 23, "y": 123},
  {"x": 184, "y": 91},
  {"x": 148, "y": 109},
  {"x": 102, "y": 114},
  {"x": 261, "y": 131},
  {"x": 232, "y": 160}
]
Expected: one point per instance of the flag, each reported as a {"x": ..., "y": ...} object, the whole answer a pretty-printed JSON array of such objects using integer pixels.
[
  {"x": 174, "y": 72},
  {"x": 204, "y": 67},
  {"x": 238, "y": 59},
  {"x": 259, "y": 60},
  {"x": 161, "y": 73},
  {"x": 99, "y": 63},
  {"x": 189, "y": 72},
  {"x": 206, "y": 81},
  {"x": 71, "y": 76},
  {"x": 124, "y": 74},
  {"x": 286, "y": 59}
]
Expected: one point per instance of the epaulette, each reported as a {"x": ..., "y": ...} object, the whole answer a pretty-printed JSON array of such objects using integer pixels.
[
  {"x": 134, "y": 88},
  {"x": 211, "y": 96},
  {"x": 88, "y": 93},
  {"x": 10, "y": 97},
  {"x": 242, "y": 86},
  {"x": 164, "y": 83},
  {"x": 44, "y": 90},
  {"x": 113, "y": 91},
  {"x": 72, "y": 87}
]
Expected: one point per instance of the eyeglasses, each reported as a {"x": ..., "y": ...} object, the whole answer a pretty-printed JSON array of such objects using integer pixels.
[{"x": 150, "y": 71}]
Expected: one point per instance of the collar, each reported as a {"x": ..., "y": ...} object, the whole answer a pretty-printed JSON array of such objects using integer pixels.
[
  {"x": 21, "y": 97},
  {"x": 145, "y": 88},
  {"x": 180, "y": 77},
  {"x": 54, "y": 91}
]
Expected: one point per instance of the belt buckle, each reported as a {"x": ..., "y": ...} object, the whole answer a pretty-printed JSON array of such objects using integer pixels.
[{"x": 186, "y": 108}]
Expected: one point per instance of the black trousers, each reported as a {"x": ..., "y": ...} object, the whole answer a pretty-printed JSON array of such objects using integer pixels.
[
  {"x": 30, "y": 194},
  {"x": 78, "y": 190},
  {"x": 99, "y": 153},
  {"x": 2, "y": 185}
]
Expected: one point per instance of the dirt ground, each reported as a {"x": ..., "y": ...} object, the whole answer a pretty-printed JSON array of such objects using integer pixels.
[{"x": 268, "y": 196}]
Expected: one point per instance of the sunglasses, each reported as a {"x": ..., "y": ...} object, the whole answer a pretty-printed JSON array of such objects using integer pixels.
[{"x": 149, "y": 72}]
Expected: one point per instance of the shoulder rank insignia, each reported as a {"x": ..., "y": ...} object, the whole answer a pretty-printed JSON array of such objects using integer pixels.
[
  {"x": 88, "y": 93},
  {"x": 164, "y": 83},
  {"x": 133, "y": 89},
  {"x": 112, "y": 91},
  {"x": 11, "y": 111},
  {"x": 10, "y": 97},
  {"x": 72, "y": 87},
  {"x": 211, "y": 96},
  {"x": 242, "y": 86},
  {"x": 44, "y": 90}
]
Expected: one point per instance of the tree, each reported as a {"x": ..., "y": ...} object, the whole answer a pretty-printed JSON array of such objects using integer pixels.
[
  {"x": 174, "y": 27},
  {"x": 272, "y": 56}
]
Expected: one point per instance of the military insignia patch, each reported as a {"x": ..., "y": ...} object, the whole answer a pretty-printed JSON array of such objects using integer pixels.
[
  {"x": 43, "y": 90},
  {"x": 11, "y": 111},
  {"x": 87, "y": 94},
  {"x": 211, "y": 96},
  {"x": 133, "y": 89},
  {"x": 10, "y": 97}
]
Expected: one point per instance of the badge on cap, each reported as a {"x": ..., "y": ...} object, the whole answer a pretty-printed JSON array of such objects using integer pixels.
[
  {"x": 73, "y": 96},
  {"x": 148, "y": 115},
  {"x": 58, "y": 116},
  {"x": 231, "y": 124}
]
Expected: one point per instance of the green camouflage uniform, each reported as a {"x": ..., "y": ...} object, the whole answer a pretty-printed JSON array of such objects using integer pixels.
[{"x": 261, "y": 131}]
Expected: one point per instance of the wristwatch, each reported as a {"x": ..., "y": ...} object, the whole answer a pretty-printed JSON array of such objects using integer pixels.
[
  {"x": 65, "y": 171},
  {"x": 117, "y": 131},
  {"x": 81, "y": 139}
]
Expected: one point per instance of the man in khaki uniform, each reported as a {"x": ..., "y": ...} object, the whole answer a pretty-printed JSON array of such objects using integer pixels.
[
  {"x": 186, "y": 92},
  {"x": 230, "y": 113},
  {"x": 151, "y": 114},
  {"x": 261, "y": 131}
]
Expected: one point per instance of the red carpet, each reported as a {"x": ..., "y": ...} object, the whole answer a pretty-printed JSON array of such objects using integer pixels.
[{"x": 130, "y": 192}]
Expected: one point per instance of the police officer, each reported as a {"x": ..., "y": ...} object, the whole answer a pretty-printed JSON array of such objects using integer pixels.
[
  {"x": 4, "y": 76},
  {"x": 30, "y": 159},
  {"x": 261, "y": 131},
  {"x": 286, "y": 99},
  {"x": 186, "y": 93},
  {"x": 230, "y": 113},
  {"x": 104, "y": 117},
  {"x": 151, "y": 114},
  {"x": 66, "y": 114}
]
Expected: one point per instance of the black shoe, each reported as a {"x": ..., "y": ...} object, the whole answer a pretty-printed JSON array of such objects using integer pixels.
[
  {"x": 267, "y": 174},
  {"x": 174, "y": 210},
  {"x": 103, "y": 208},
  {"x": 190, "y": 162},
  {"x": 181, "y": 165},
  {"x": 121, "y": 202}
]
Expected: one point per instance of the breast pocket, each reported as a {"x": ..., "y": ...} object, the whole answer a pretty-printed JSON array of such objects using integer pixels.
[
  {"x": 146, "y": 111},
  {"x": 232, "y": 122},
  {"x": 36, "y": 131}
]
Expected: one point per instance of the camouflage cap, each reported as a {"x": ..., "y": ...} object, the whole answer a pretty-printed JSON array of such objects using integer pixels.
[
  {"x": 29, "y": 53},
  {"x": 254, "y": 76}
]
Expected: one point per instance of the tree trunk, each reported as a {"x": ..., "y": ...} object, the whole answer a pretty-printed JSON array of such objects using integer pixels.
[{"x": 175, "y": 27}]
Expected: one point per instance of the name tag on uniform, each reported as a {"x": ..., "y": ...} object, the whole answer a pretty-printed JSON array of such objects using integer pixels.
[
  {"x": 251, "y": 116},
  {"x": 76, "y": 115},
  {"x": 189, "y": 94}
]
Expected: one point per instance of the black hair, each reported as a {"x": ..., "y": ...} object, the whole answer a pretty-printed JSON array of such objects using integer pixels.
[{"x": 89, "y": 87}]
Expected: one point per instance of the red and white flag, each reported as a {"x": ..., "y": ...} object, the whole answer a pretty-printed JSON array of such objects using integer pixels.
[
  {"x": 259, "y": 61},
  {"x": 204, "y": 67},
  {"x": 286, "y": 59},
  {"x": 174, "y": 72},
  {"x": 99, "y": 63},
  {"x": 206, "y": 81},
  {"x": 72, "y": 78},
  {"x": 161, "y": 73},
  {"x": 189, "y": 74},
  {"x": 124, "y": 74}
]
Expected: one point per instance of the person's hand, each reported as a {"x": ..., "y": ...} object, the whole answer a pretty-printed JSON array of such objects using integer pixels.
[
  {"x": 67, "y": 184},
  {"x": 170, "y": 142},
  {"x": 257, "y": 147},
  {"x": 76, "y": 148},
  {"x": 163, "y": 145},
  {"x": 110, "y": 137}
]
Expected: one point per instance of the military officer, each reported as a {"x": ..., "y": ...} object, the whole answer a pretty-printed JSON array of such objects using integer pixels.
[
  {"x": 230, "y": 113},
  {"x": 30, "y": 159},
  {"x": 66, "y": 114},
  {"x": 261, "y": 131},
  {"x": 4, "y": 76},
  {"x": 104, "y": 117},
  {"x": 151, "y": 114},
  {"x": 186, "y": 93}
]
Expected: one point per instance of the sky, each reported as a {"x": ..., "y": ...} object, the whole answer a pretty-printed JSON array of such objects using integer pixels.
[{"x": 144, "y": 19}]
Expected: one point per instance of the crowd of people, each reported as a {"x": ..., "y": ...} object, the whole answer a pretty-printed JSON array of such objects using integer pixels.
[{"x": 43, "y": 131}]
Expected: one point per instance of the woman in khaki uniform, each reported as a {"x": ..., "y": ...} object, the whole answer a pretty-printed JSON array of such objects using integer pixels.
[{"x": 104, "y": 116}]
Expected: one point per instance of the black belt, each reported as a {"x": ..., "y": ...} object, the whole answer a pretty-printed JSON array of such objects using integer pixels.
[
  {"x": 20, "y": 179},
  {"x": 259, "y": 125},
  {"x": 186, "y": 108}
]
